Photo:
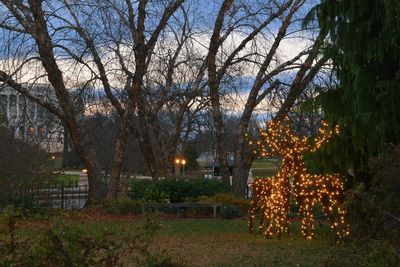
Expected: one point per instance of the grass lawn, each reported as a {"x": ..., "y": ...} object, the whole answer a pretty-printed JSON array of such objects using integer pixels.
[
  {"x": 264, "y": 172},
  {"x": 220, "y": 242},
  {"x": 263, "y": 164},
  {"x": 263, "y": 168},
  {"x": 67, "y": 178},
  {"x": 227, "y": 243}
]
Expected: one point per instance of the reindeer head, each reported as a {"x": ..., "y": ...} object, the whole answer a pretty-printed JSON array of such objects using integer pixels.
[{"x": 279, "y": 139}]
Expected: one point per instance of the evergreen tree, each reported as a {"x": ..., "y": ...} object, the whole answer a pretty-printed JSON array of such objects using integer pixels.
[{"x": 364, "y": 45}]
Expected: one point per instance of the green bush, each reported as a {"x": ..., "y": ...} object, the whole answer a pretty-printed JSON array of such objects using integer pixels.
[
  {"x": 139, "y": 188},
  {"x": 375, "y": 253},
  {"x": 22, "y": 164},
  {"x": 179, "y": 189},
  {"x": 66, "y": 244},
  {"x": 374, "y": 211},
  {"x": 124, "y": 206},
  {"x": 227, "y": 199},
  {"x": 153, "y": 194},
  {"x": 231, "y": 212}
]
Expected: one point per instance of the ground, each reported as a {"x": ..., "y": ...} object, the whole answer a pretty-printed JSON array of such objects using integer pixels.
[
  {"x": 227, "y": 243},
  {"x": 207, "y": 242}
]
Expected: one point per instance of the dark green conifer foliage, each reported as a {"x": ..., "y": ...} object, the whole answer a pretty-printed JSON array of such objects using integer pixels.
[{"x": 364, "y": 46}]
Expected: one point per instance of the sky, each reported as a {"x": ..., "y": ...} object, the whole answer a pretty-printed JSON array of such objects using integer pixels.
[{"x": 202, "y": 16}]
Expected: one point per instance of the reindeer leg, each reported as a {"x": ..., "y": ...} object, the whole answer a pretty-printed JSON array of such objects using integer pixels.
[
  {"x": 262, "y": 218},
  {"x": 268, "y": 234},
  {"x": 252, "y": 215},
  {"x": 311, "y": 224}
]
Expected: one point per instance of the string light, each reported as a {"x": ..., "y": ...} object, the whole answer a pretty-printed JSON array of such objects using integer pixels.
[{"x": 272, "y": 195}]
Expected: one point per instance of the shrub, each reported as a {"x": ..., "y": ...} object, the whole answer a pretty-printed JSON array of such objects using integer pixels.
[
  {"x": 231, "y": 212},
  {"x": 375, "y": 253},
  {"x": 124, "y": 206},
  {"x": 374, "y": 212},
  {"x": 65, "y": 244},
  {"x": 21, "y": 165},
  {"x": 127, "y": 205},
  {"x": 228, "y": 199},
  {"x": 153, "y": 194},
  {"x": 179, "y": 189},
  {"x": 139, "y": 188}
]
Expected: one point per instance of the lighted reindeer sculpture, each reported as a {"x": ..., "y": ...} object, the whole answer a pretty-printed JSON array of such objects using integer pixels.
[
  {"x": 277, "y": 191},
  {"x": 260, "y": 190},
  {"x": 309, "y": 189},
  {"x": 272, "y": 195}
]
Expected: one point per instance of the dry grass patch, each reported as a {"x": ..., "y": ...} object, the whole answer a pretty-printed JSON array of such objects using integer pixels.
[{"x": 233, "y": 246}]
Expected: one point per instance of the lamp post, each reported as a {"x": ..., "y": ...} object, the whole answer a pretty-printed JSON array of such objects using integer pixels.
[
  {"x": 177, "y": 167},
  {"x": 183, "y": 166},
  {"x": 53, "y": 165},
  {"x": 178, "y": 163}
]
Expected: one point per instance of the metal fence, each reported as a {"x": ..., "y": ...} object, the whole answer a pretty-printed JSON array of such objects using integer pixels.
[
  {"x": 61, "y": 197},
  {"x": 58, "y": 196}
]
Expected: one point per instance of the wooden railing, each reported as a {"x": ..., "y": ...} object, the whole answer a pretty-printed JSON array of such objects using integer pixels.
[{"x": 182, "y": 208}]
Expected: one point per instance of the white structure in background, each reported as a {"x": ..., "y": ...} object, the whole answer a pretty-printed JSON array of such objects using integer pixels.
[{"x": 28, "y": 120}]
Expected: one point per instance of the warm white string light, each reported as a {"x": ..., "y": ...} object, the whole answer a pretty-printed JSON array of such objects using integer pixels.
[{"x": 272, "y": 195}]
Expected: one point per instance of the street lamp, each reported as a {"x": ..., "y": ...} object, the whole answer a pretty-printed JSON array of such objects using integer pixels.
[
  {"x": 177, "y": 167},
  {"x": 53, "y": 165},
  {"x": 183, "y": 165},
  {"x": 178, "y": 163}
]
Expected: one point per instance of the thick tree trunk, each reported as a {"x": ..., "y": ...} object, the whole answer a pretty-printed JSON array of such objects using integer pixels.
[
  {"x": 87, "y": 154},
  {"x": 150, "y": 159},
  {"x": 213, "y": 83},
  {"x": 144, "y": 133},
  {"x": 143, "y": 53},
  {"x": 145, "y": 148},
  {"x": 241, "y": 170},
  {"x": 163, "y": 163},
  {"x": 243, "y": 160},
  {"x": 221, "y": 145},
  {"x": 96, "y": 186},
  {"x": 55, "y": 77},
  {"x": 173, "y": 144},
  {"x": 113, "y": 186}
]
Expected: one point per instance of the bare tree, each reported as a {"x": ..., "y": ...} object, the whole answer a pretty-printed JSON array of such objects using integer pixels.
[
  {"x": 144, "y": 57},
  {"x": 63, "y": 32},
  {"x": 235, "y": 16},
  {"x": 31, "y": 20}
]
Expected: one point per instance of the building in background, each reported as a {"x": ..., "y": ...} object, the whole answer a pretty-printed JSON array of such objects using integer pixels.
[{"x": 29, "y": 121}]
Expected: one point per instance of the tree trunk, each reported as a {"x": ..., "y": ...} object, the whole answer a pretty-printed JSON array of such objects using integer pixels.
[
  {"x": 163, "y": 162},
  {"x": 241, "y": 173},
  {"x": 213, "y": 83},
  {"x": 242, "y": 163},
  {"x": 119, "y": 155},
  {"x": 55, "y": 77},
  {"x": 96, "y": 187},
  {"x": 145, "y": 148},
  {"x": 66, "y": 155},
  {"x": 145, "y": 140},
  {"x": 221, "y": 145}
]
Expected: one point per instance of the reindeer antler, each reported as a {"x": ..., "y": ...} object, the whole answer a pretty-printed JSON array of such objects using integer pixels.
[
  {"x": 278, "y": 139},
  {"x": 324, "y": 136}
]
